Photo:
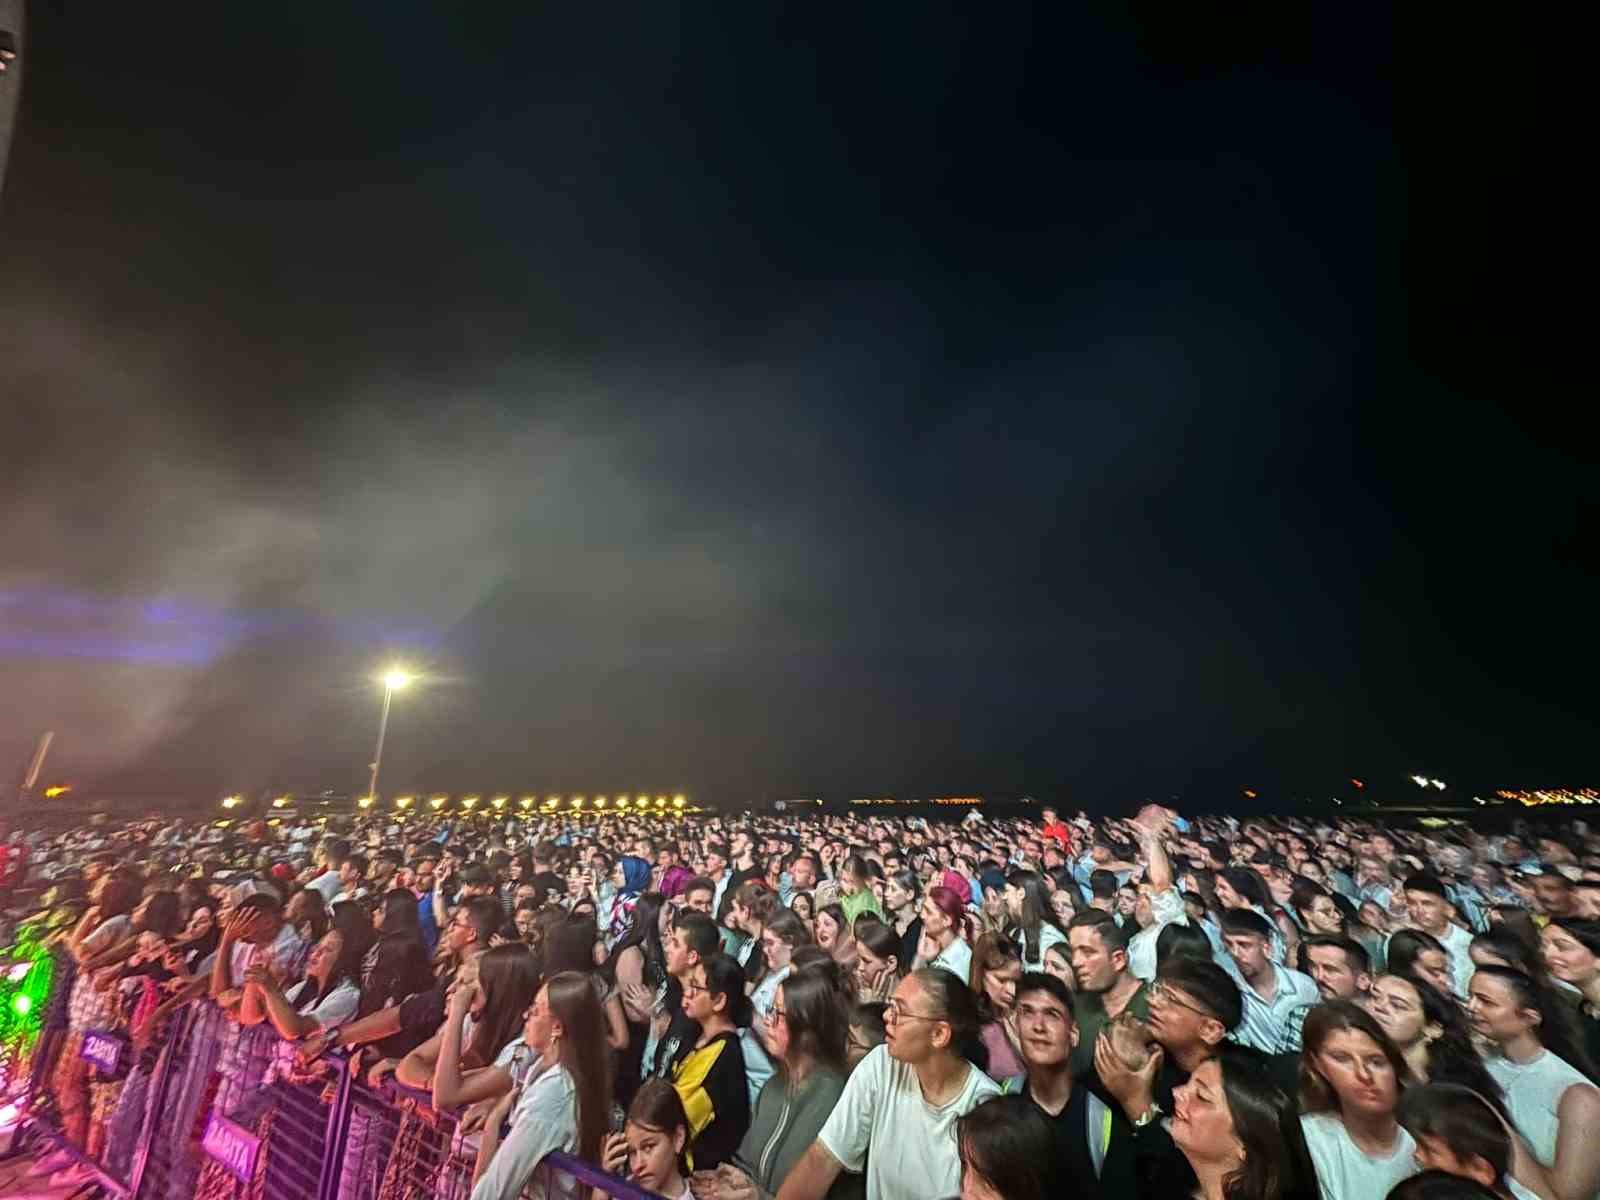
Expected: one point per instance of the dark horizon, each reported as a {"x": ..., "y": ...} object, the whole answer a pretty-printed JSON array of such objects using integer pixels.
[{"x": 753, "y": 402}]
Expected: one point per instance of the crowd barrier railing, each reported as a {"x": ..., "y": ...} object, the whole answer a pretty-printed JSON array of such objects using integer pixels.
[{"x": 207, "y": 1109}]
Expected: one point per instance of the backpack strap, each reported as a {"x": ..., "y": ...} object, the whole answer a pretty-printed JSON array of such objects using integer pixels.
[{"x": 1098, "y": 1119}]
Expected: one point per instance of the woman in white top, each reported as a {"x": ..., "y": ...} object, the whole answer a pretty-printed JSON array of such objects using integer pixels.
[
  {"x": 327, "y": 997},
  {"x": 1032, "y": 922},
  {"x": 1553, "y": 1104},
  {"x": 565, "y": 1105},
  {"x": 944, "y": 925},
  {"x": 1351, "y": 1074},
  {"x": 898, "y": 1111}
]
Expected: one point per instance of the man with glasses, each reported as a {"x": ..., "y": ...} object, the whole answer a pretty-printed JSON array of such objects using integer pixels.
[
  {"x": 1093, "y": 1141},
  {"x": 1194, "y": 1005}
]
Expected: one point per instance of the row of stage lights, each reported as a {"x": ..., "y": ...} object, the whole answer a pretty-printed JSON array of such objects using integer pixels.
[{"x": 640, "y": 803}]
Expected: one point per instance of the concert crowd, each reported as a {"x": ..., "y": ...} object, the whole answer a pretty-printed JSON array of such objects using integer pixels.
[{"x": 821, "y": 1006}]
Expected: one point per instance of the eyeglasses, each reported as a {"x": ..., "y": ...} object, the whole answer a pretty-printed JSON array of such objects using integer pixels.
[
  {"x": 893, "y": 1011},
  {"x": 694, "y": 989},
  {"x": 1162, "y": 993},
  {"x": 776, "y": 1014}
]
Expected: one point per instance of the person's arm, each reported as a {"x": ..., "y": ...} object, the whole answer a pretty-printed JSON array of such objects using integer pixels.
[
  {"x": 812, "y": 1176},
  {"x": 630, "y": 981},
  {"x": 1575, "y": 1174},
  {"x": 109, "y": 957},
  {"x": 1158, "y": 872},
  {"x": 291, "y": 1025},
  {"x": 544, "y": 1123},
  {"x": 616, "y": 1023},
  {"x": 221, "y": 966},
  {"x": 453, "y": 1087},
  {"x": 416, "y": 1069}
]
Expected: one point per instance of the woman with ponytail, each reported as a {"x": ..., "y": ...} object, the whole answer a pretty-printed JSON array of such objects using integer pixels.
[
  {"x": 1540, "y": 1063},
  {"x": 946, "y": 933}
]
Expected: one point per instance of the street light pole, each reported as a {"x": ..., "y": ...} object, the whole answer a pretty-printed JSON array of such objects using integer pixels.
[{"x": 392, "y": 682}]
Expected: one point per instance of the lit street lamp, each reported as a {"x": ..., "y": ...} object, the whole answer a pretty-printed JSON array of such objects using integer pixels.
[{"x": 393, "y": 681}]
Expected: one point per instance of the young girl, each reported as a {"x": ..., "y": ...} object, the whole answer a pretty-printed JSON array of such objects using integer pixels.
[{"x": 650, "y": 1149}]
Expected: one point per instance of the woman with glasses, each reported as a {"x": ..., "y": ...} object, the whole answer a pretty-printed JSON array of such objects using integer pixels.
[
  {"x": 710, "y": 1077},
  {"x": 806, "y": 1034},
  {"x": 897, "y": 1114}
]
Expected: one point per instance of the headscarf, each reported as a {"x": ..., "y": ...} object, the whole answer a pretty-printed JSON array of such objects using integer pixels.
[{"x": 635, "y": 876}]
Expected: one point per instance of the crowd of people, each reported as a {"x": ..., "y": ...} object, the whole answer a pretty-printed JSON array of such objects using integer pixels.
[{"x": 776, "y": 1006}]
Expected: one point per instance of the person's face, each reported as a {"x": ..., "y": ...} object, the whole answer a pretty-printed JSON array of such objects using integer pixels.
[
  {"x": 1227, "y": 897},
  {"x": 697, "y": 999},
  {"x": 540, "y": 1028},
  {"x": 324, "y": 954},
  {"x": 1141, "y": 907},
  {"x": 827, "y": 931},
  {"x": 1094, "y": 967},
  {"x": 1249, "y": 951},
  {"x": 895, "y": 896},
  {"x": 678, "y": 955},
  {"x": 461, "y": 933},
  {"x": 653, "y": 1156},
  {"x": 1493, "y": 1009},
  {"x": 526, "y": 923},
  {"x": 1324, "y": 917},
  {"x": 1000, "y": 985},
  {"x": 1331, "y": 970},
  {"x": 910, "y": 1024},
  {"x": 1202, "y": 1125},
  {"x": 1061, "y": 905},
  {"x": 1058, "y": 962},
  {"x": 715, "y": 864},
  {"x": 1046, "y": 1029},
  {"x": 1431, "y": 912},
  {"x": 1397, "y": 1007},
  {"x": 803, "y": 875},
  {"x": 777, "y": 1020},
  {"x": 1358, "y": 1071},
  {"x": 933, "y": 919},
  {"x": 1178, "y": 1020},
  {"x": 349, "y": 873},
  {"x": 1568, "y": 959},
  {"x": 1013, "y": 899},
  {"x": 1552, "y": 897},
  {"x": 618, "y": 878},
  {"x": 699, "y": 900},
  {"x": 424, "y": 878},
  {"x": 869, "y": 967},
  {"x": 1431, "y": 965},
  {"x": 1433, "y": 1153}
]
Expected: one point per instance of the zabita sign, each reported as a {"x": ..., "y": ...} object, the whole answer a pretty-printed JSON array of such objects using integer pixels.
[{"x": 232, "y": 1145}]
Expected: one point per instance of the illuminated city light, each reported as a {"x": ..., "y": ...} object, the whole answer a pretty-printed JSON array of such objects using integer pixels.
[
  {"x": 51, "y": 793},
  {"x": 364, "y": 802},
  {"x": 403, "y": 801},
  {"x": 232, "y": 801},
  {"x": 1541, "y": 796}
]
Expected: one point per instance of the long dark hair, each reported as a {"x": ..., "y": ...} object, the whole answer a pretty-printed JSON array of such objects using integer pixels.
[
  {"x": 356, "y": 936},
  {"x": 645, "y": 933},
  {"x": 163, "y": 914},
  {"x": 818, "y": 1022},
  {"x": 993, "y": 951},
  {"x": 582, "y": 1052},
  {"x": 1266, "y": 1120},
  {"x": 399, "y": 908},
  {"x": 1452, "y": 1058},
  {"x": 657, "y": 1106},
  {"x": 1036, "y": 912},
  {"x": 1007, "y": 1143},
  {"x": 509, "y": 978},
  {"x": 1249, "y": 884},
  {"x": 569, "y": 946},
  {"x": 1558, "y": 1027}
]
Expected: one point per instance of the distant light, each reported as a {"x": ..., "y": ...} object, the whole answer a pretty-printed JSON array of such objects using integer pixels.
[
  {"x": 280, "y": 802},
  {"x": 364, "y": 802},
  {"x": 232, "y": 801},
  {"x": 395, "y": 679},
  {"x": 468, "y": 801},
  {"x": 599, "y": 801},
  {"x": 661, "y": 801},
  {"x": 498, "y": 802},
  {"x": 1358, "y": 783},
  {"x": 1420, "y": 780},
  {"x": 1438, "y": 783},
  {"x": 622, "y": 802},
  {"x": 577, "y": 802},
  {"x": 438, "y": 801},
  {"x": 526, "y": 802},
  {"x": 403, "y": 801},
  {"x": 677, "y": 802},
  {"x": 51, "y": 793}
]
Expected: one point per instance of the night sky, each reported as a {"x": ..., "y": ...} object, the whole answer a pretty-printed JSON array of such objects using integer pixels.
[{"x": 762, "y": 400}]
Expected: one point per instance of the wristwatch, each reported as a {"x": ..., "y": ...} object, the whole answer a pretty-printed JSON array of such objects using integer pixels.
[{"x": 1149, "y": 1116}]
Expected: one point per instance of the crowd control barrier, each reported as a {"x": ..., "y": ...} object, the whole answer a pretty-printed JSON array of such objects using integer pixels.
[{"x": 205, "y": 1109}]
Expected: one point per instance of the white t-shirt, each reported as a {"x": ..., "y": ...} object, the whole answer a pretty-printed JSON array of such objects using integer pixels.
[
  {"x": 907, "y": 1145},
  {"x": 1344, "y": 1170},
  {"x": 957, "y": 958},
  {"x": 1533, "y": 1095},
  {"x": 1166, "y": 908}
]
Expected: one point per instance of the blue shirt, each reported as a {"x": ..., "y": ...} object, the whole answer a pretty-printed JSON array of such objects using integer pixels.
[{"x": 430, "y": 927}]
